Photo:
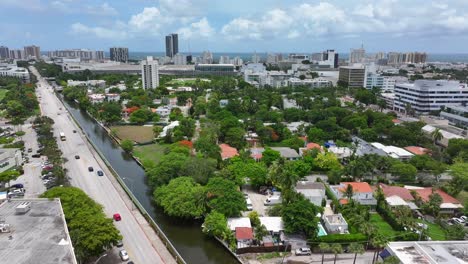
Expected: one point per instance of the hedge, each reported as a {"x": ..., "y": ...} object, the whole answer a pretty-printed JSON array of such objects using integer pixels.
[{"x": 342, "y": 238}]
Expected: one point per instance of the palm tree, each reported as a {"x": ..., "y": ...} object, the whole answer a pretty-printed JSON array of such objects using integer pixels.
[
  {"x": 367, "y": 229},
  {"x": 336, "y": 249},
  {"x": 356, "y": 248},
  {"x": 378, "y": 241},
  {"x": 436, "y": 135},
  {"x": 323, "y": 247},
  {"x": 349, "y": 192}
]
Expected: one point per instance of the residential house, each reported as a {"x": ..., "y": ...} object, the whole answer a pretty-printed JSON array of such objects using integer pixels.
[
  {"x": 287, "y": 153},
  {"x": 417, "y": 150},
  {"x": 449, "y": 204},
  {"x": 227, "y": 151},
  {"x": 309, "y": 146},
  {"x": 236, "y": 222},
  {"x": 335, "y": 224},
  {"x": 398, "y": 196},
  {"x": 164, "y": 111},
  {"x": 113, "y": 97},
  {"x": 313, "y": 191},
  {"x": 244, "y": 236},
  {"x": 362, "y": 193},
  {"x": 394, "y": 152},
  {"x": 446, "y": 136},
  {"x": 274, "y": 225},
  {"x": 341, "y": 152},
  {"x": 223, "y": 102},
  {"x": 96, "y": 98}
]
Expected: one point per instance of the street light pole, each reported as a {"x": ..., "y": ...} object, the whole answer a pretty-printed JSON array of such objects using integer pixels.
[{"x": 105, "y": 254}]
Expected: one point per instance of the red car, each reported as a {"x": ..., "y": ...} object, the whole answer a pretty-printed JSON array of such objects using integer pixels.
[{"x": 117, "y": 217}]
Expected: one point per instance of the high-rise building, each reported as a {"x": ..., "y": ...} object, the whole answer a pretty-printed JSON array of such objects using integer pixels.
[
  {"x": 236, "y": 61},
  {"x": 172, "y": 45},
  {"x": 83, "y": 54},
  {"x": 272, "y": 58},
  {"x": 425, "y": 96},
  {"x": 255, "y": 58},
  {"x": 207, "y": 57},
  {"x": 119, "y": 54},
  {"x": 332, "y": 57},
  {"x": 351, "y": 76},
  {"x": 32, "y": 52},
  {"x": 150, "y": 73},
  {"x": 224, "y": 60},
  {"x": 4, "y": 52},
  {"x": 357, "y": 55},
  {"x": 17, "y": 54},
  {"x": 180, "y": 59},
  {"x": 397, "y": 58}
]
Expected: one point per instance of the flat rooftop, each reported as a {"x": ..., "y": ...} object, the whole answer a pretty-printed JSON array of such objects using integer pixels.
[
  {"x": 429, "y": 252},
  {"x": 38, "y": 236}
]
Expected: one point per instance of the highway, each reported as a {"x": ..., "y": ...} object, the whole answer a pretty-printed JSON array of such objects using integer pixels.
[{"x": 136, "y": 241}]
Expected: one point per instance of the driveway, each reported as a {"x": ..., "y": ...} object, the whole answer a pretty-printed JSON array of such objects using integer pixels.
[{"x": 257, "y": 200}]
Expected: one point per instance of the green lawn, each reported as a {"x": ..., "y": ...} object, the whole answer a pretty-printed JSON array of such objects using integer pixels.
[
  {"x": 149, "y": 154},
  {"x": 382, "y": 226},
  {"x": 3, "y": 93},
  {"x": 139, "y": 134},
  {"x": 435, "y": 231}
]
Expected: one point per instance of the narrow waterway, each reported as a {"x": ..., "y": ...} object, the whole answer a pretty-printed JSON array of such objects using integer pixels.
[{"x": 187, "y": 237}]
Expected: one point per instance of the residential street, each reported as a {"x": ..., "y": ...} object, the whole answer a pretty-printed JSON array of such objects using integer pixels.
[{"x": 136, "y": 237}]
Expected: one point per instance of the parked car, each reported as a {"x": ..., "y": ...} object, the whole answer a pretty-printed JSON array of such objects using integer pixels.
[
  {"x": 29, "y": 150},
  {"x": 119, "y": 244},
  {"x": 117, "y": 217},
  {"x": 273, "y": 200},
  {"x": 36, "y": 155},
  {"x": 16, "y": 192},
  {"x": 74, "y": 131},
  {"x": 123, "y": 255},
  {"x": 90, "y": 168},
  {"x": 100, "y": 173},
  {"x": 77, "y": 156},
  {"x": 17, "y": 185},
  {"x": 464, "y": 218},
  {"x": 249, "y": 204},
  {"x": 457, "y": 221},
  {"x": 303, "y": 252}
]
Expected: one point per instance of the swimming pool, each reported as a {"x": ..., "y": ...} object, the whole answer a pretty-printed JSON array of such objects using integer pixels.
[{"x": 321, "y": 230}]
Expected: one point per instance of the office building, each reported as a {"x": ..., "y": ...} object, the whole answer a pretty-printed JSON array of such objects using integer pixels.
[
  {"x": 172, "y": 45},
  {"x": 255, "y": 58},
  {"x": 272, "y": 58},
  {"x": 326, "y": 58},
  {"x": 425, "y": 96},
  {"x": 34, "y": 231},
  {"x": 119, "y": 54},
  {"x": 14, "y": 71},
  {"x": 376, "y": 80},
  {"x": 17, "y": 54},
  {"x": 180, "y": 59},
  {"x": 430, "y": 252},
  {"x": 149, "y": 73},
  {"x": 357, "y": 55},
  {"x": 456, "y": 115},
  {"x": 351, "y": 76},
  {"x": 237, "y": 61},
  {"x": 4, "y": 52},
  {"x": 224, "y": 60},
  {"x": 207, "y": 57},
  {"x": 298, "y": 58},
  {"x": 379, "y": 56},
  {"x": 32, "y": 52},
  {"x": 82, "y": 54}
]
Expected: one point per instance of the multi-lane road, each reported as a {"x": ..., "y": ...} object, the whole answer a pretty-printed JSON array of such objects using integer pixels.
[{"x": 136, "y": 241}]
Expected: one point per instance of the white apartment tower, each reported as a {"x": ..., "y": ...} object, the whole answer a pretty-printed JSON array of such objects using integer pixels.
[
  {"x": 150, "y": 73},
  {"x": 357, "y": 55},
  {"x": 180, "y": 59}
]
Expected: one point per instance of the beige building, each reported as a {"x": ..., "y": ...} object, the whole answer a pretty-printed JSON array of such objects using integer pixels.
[{"x": 352, "y": 76}]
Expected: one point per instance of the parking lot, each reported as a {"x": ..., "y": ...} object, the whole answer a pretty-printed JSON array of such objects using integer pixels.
[{"x": 257, "y": 200}]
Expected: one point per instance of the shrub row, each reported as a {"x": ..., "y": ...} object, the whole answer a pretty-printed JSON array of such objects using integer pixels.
[{"x": 342, "y": 238}]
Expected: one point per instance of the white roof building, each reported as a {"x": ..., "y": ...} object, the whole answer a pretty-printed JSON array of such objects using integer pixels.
[
  {"x": 238, "y": 222},
  {"x": 429, "y": 252},
  {"x": 171, "y": 126},
  {"x": 14, "y": 71},
  {"x": 446, "y": 136},
  {"x": 394, "y": 152},
  {"x": 272, "y": 224},
  {"x": 341, "y": 152},
  {"x": 96, "y": 98}
]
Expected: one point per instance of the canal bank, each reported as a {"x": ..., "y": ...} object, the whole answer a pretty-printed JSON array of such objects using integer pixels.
[{"x": 187, "y": 237}]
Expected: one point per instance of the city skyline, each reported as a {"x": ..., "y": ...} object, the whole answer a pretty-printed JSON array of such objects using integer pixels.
[{"x": 266, "y": 26}]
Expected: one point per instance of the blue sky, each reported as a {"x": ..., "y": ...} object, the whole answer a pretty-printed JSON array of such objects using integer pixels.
[{"x": 439, "y": 26}]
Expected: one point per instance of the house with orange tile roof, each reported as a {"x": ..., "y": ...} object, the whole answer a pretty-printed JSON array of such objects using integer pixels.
[
  {"x": 244, "y": 235},
  {"x": 227, "y": 151},
  {"x": 417, "y": 150},
  {"x": 449, "y": 205},
  {"x": 362, "y": 193}
]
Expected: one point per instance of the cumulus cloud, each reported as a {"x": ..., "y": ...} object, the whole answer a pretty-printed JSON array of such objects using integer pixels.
[
  {"x": 200, "y": 28},
  {"x": 99, "y": 32},
  {"x": 325, "y": 19}
]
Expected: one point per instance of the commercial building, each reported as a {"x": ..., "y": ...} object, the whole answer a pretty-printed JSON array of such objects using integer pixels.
[
  {"x": 83, "y": 54},
  {"x": 384, "y": 83},
  {"x": 15, "y": 71},
  {"x": 446, "y": 135},
  {"x": 10, "y": 158},
  {"x": 298, "y": 58},
  {"x": 219, "y": 69},
  {"x": 357, "y": 55},
  {"x": 456, "y": 115},
  {"x": 32, "y": 52},
  {"x": 207, "y": 57},
  {"x": 425, "y": 96},
  {"x": 312, "y": 83},
  {"x": 150, "y": 73},
  {"x": 119, "y": 54},
  {"x": 255, "y": 58},
  {"x": 352, "y": 76},
  {"x": 4, "y": 52},
  {"x": 180, "y": 59},
  {"x": 428, "y": 252},
  {"x": 88, "y": 83},
  {"x": 274, "y": 58},
  {"x": 172, "y": 45},
  {"x": 34, "y": 231},
  {"x": 224, "y": 60}
]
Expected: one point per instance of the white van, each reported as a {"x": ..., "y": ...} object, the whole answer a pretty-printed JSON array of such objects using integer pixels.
[
  {"x": 249, "y": 204},
  {"x": 273, "y": 200}
]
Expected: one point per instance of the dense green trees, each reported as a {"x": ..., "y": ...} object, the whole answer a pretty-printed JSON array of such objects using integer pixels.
[
  {"x": 239, "y": 170},
  {"x": 223, "y": 196},
  {"x": 300, "y": 216},
  {"x": 459, "y": 181},
  {"x": 127, "y": 145},
  {"x": 90, "y": 230}
]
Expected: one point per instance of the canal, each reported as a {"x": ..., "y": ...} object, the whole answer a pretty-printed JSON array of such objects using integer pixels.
[{"x": 186, "y": 236}]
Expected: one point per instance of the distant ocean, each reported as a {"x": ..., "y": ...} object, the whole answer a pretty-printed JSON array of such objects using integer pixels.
[{"x": 436, "y": 57}]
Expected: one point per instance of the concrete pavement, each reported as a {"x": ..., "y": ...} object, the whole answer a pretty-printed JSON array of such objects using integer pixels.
[{"x": 137, "y": 238}]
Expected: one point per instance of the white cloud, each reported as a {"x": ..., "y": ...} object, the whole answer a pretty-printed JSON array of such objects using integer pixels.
[
  {"x": 200, "y": 28},
  {"x": 99, "y": 32},
  {"x": 102, "y": 10}
]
